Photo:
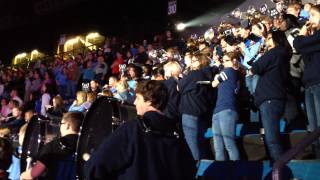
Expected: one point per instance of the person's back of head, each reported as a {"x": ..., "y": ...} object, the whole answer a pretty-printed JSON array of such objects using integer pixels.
[
  {"x": 155, "y": 92},
  {"x": 172, "y": 69},
  {"x": 74, "y": 119},
  {"x": 294, "y": 9},
  {"x": 158, "y": 72},
  {"x": 81, "y": 97}
]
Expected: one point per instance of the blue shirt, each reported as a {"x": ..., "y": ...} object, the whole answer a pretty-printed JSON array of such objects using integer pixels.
[
  {"x": 252, "y": 52},
  {"x": 227, "y": 90}
]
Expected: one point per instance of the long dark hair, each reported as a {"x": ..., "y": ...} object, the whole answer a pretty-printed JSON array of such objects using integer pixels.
[{"x": 279, "y": 38}]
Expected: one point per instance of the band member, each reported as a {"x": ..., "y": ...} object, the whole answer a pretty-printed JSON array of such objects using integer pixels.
[
  {"x": 225, "y": 115},
  {"x": 56, "y": 151},
  {"x": 307, "y": 43},
  {"x": 271, "y": 92},
  {"x": 149, "y": 147}
]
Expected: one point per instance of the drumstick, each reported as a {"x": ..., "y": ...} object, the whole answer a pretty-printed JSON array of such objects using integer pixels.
[
  {"x": 203, "y": 82},
  {"x": 29, "y": 159}
]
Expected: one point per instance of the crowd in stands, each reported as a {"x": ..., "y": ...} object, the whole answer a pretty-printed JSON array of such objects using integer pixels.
[{"x": 260, "y": 68}]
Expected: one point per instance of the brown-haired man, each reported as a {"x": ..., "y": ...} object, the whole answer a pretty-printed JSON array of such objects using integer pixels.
[
  {"x": 49, "y": 157},
  {"x": 146, "y": 148}
]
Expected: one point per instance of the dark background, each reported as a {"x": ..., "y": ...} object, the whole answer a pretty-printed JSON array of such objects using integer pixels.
[{"x": 37, "y": 24}]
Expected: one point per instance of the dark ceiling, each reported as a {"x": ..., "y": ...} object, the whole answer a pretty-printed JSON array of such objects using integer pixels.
[{"x": 38, "y": 24}]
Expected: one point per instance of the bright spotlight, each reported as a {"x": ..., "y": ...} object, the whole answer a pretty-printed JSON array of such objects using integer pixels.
[{"x": 181, "y": 26}]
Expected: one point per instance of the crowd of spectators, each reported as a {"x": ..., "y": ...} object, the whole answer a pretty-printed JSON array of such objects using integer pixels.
[{"x": 257, "y": 67}]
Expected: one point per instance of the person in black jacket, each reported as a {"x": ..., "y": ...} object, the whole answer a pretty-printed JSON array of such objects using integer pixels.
[
  {"x": 196, "y": 102},
  {"x": 15, "y": 122},
  {"x": 172, "y": 71},
  {"x": 271, "y": 91},
  {"x": 149, "y": 147},
  {"x": 308, "y": 44},
  {"x": 51, "y": 157}
]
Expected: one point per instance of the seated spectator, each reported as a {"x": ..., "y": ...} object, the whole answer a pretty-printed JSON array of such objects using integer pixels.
[
  {"x": 122, "y": 91},
  {"x": 56, "y": 111},
  {"x": 1, "y": 87},
  {"x": 94, "y": 86},
  {"x": 146, "y": 69},
  {"x": 88, "y": 73},
  {"x": 36, "y": 82},
  {"x": 12, "y": 104},
  {"x": 115, "y": 65},
  {"x": 91, "y": 97},
  {"x": 78, "y": 103},
  {"x": 15, "y": 122},
  {"x": 5, "y": 109},
  {"x": 14, "y": 95},
  {"x": 45, "y": 98},
  {"x": 106, "y": 92},
  {"x": 112, "y": 84},
  {"x": 58, "y": 150},
  {"x": 101, "y": 70}
]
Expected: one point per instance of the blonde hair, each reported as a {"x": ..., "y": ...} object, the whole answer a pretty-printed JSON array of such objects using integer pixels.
[
  {"x": 91, "y": 96},
  {"x": 172, "y": 68},
  {"x": 81, "y": 97},
  {"x": 122, "y": 86}
]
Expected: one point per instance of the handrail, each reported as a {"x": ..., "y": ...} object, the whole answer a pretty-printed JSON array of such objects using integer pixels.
[{"x": 284, "y": 159}]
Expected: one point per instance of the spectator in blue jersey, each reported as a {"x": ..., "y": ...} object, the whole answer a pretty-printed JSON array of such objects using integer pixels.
[
  {"x": 78, "y": 104},
  {"x": 225, "y": 114},
  {"x": 251, "y": 50}
]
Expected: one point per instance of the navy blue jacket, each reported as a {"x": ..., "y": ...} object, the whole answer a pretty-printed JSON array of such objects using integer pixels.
[
  {"x": 309, "y": 48},
  {"x": 227, "y": 90},
  {"x": 134, "y": 152},
  {"x": 172, "y": 109},
  {"x": 273, "y": 71},
  {"x": 197, "y": 99}
]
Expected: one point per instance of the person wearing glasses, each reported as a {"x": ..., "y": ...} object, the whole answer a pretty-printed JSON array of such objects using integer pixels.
[
  {"x": 56, "y": 151},
  {"x": 225, "y": 113}
]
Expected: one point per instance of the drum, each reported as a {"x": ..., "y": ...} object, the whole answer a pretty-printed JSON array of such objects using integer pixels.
[
  {"x": 32, "y": 142},
  {"x": 103, "y": 117},
  {"x": 39, "y": 132}
]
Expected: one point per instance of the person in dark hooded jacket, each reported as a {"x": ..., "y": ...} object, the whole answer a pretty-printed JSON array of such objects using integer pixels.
[{"x": 149, "y": 147}]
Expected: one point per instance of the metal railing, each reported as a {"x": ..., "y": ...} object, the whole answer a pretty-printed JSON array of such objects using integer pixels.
[{"x": 284, "y": 159}]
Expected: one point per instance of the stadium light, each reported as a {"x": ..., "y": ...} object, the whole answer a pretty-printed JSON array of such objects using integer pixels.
[{"x": 181, "y": 26}]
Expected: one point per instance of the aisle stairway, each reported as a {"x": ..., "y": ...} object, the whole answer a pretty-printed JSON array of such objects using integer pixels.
[
  {"x": 255, "y": 162},
  {"x": 256, "y": 170}
]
